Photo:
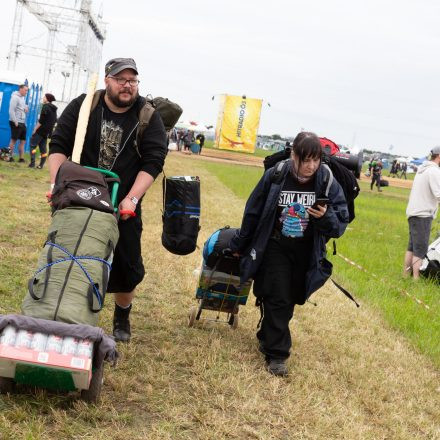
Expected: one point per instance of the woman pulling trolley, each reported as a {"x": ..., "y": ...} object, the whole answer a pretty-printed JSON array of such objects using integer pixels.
[{"x": 295, "y": 208}]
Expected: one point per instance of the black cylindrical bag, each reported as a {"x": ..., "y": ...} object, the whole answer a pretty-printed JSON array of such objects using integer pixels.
[{"x": 181, "y": 214}]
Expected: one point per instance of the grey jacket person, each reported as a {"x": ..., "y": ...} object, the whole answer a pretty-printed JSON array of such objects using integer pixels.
[{"x": 17, "y": 107}]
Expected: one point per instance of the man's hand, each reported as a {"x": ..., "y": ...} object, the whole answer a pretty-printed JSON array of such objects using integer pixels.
[
  {"x": 126, "y": 205},
  {"x": 16, "y": 124}
]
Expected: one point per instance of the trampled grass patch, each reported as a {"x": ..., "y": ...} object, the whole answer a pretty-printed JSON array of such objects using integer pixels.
[{"x": 352, "y": 377}]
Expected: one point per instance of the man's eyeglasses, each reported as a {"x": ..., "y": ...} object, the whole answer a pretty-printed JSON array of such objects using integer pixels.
[{"x": 123, "y": 81}]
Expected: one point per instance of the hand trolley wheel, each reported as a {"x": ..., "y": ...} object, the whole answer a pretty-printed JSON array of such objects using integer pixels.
[
  {"x": 93, "y": 393},
  {"x": 192, "y": 316},
  {"x": 233, "y": 321},
  {"x": 7, "y": 385}
]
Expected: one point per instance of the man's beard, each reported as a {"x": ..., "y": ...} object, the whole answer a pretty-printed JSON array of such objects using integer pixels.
[{"x": 114, "y": 98}]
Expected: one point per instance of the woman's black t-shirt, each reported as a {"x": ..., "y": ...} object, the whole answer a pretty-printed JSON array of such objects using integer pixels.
[{"x": 292, "y": 216}]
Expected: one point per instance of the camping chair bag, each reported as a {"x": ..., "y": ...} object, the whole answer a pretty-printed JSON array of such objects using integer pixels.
[
  {"x": 181, "y": 214},
  {"x": 73, "y": 268}
]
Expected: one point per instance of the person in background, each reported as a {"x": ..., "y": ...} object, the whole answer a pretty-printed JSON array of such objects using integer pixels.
[
  {"x": 421, "y": 210},
  {"x": 17, "y": 121},
  {"x": 201, "y": 138},
  {"x": 403, "y": 169},
  {"x": 376, "y": 174},
  {"x": 43, "y": 129},
  {"x": 282, "y": 242},
  {"x": 188, "y": 139},
  {"x": 394, "y": 168}
]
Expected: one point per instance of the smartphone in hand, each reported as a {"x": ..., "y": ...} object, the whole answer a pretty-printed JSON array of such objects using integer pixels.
[{"x": 321, "y": 201}]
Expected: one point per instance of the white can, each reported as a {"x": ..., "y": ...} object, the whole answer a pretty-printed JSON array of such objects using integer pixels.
[
  {"x": 85, "y": 348},
  {"x": 70, "y": 345},
  {"x": 24, "y": 338},
  {"x": 9, "y": 335},
  {"x": 54, "y": 343},
  {"x": 39, "y": 342}
]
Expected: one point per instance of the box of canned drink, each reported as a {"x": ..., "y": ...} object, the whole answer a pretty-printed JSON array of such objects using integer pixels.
[{"x": 8, "y": 335}]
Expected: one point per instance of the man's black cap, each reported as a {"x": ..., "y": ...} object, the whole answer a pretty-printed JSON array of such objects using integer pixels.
[{"x": 116, "y": 65}]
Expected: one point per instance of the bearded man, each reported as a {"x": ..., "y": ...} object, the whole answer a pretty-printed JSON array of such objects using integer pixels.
[{"x": 110, "y": 143}]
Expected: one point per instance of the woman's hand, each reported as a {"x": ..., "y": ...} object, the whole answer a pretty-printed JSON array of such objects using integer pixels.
[{"x": 318, "y": 212}]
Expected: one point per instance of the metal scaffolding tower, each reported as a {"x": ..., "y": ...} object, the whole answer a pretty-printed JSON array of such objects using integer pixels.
[{"x": 75, "y": 37}]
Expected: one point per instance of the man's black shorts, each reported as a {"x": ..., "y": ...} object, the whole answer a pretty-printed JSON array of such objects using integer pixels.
[
  {"x": 18, "y": 133},
  {"x": 419, "y": 231},
  {"x": 127, "y": 267}
]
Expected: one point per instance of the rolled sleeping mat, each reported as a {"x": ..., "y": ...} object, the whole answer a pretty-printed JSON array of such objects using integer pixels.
[{"x": 351, "y": 161}]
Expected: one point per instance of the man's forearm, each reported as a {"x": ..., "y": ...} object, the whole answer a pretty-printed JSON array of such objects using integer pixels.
[
  {"x": 141, "y": 184},
  {"x": 55, "y": 161}
]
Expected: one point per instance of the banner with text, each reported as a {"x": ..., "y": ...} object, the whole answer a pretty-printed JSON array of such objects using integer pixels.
[{"x": 237, "y": 124}]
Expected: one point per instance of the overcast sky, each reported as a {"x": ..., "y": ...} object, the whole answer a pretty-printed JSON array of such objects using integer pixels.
[{"x": 364, "y": 73}]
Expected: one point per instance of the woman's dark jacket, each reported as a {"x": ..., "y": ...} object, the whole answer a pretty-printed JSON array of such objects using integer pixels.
[
  {"x": 259, "y": 219},
  {"x": 47, "y": 119}
]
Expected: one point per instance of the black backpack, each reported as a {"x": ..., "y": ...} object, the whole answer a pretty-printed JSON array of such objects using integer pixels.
[{"x": 181, "y": 214}]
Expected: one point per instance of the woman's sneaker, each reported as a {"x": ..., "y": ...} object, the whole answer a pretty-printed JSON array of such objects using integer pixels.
[{"x": 277, "y": 367}]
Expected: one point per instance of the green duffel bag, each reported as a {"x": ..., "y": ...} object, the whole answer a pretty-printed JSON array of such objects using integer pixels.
[{"x": 74, "y": 267}]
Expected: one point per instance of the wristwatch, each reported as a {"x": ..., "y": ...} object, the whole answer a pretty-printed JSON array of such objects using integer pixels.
[{"x": 133, "y": 199}]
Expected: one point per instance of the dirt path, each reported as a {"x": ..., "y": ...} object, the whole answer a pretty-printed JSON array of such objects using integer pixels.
[{"x": 251, "y": 160}]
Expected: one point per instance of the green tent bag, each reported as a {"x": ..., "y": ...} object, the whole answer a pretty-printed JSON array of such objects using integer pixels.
[{"x": 74, "y": 267}]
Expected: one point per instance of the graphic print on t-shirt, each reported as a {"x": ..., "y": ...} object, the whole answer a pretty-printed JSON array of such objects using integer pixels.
[
  {"x": 111, "y": 135},
  {"x": 294, "y": 217}
]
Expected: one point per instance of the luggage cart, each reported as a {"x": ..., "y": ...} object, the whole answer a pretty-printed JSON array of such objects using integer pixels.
[
  {"x": 48, "y": 368},
  {"x": 221, "y": 292}
]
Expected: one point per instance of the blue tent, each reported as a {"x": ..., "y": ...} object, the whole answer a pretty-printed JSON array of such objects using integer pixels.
[{"x": 419, "y": 161}]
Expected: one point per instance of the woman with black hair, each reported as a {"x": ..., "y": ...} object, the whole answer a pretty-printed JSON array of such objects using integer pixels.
[{"x": 292, "y": 212}]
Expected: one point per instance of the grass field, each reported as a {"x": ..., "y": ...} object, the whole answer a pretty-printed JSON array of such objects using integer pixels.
[
  {"x": 375, "y": 240},
  {"x": 354, "y": 373}
]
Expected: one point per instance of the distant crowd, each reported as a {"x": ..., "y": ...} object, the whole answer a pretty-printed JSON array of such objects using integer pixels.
[{"x": 186, "y": 140}]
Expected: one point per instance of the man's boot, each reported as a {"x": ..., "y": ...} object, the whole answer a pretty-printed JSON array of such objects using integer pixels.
[
  {"x": 42, "y": 161},
  {"x": 121, "y": 324},
  {"x": 32, "y": 164}
]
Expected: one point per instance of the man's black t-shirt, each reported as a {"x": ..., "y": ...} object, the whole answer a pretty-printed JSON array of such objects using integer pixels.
[
  {"x": 292, "y": 216},
  {"x": 111, "y": 137}
]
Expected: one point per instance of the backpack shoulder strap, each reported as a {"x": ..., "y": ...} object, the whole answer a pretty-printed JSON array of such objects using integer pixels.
[
  {"x": 277, "y": 173},
  {"x": 96, "y": 97},
  {"x": 145, "y": 114},
  {"x": 328, "y": 179}
]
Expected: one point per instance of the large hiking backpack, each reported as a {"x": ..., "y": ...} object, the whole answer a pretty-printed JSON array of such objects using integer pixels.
[
  {"x": 169, "y": 112},
  {"x": 347, "y": 180},
  {"x": 181, "y": 214},
  {"x": 216, "y": 254},
  {"x": 430, "y": 267},
  {"x": 74, "y": 267}
]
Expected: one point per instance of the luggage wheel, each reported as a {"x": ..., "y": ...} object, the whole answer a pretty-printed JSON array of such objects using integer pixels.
[
  {"x": 92, "y": 395},
  {"x": 7, "y": 385},
  {"x": 192, "y": 316}
]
